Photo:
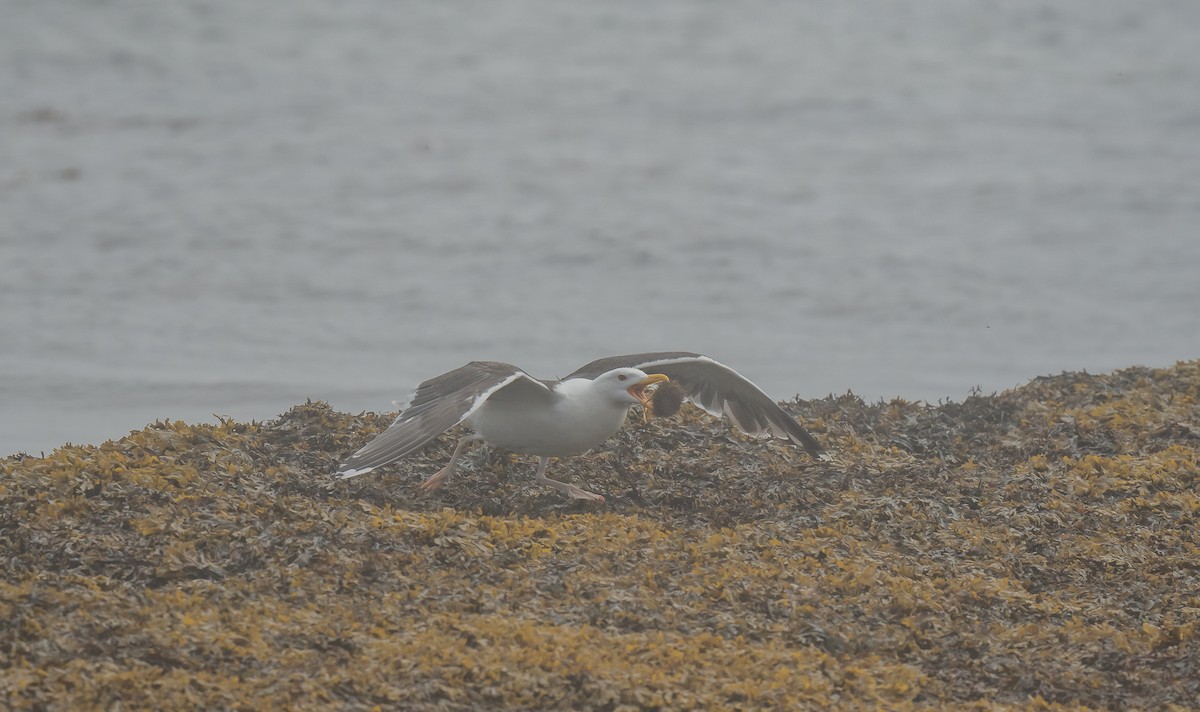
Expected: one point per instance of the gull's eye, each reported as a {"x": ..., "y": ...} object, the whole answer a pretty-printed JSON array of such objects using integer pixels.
[{"x": 621, "y": 377}]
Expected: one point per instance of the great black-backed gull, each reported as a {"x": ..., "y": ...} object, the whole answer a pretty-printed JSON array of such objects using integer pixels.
[{"x": 512, "y": 410}]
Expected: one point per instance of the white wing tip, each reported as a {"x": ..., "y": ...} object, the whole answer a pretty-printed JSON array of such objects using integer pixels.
[{"x": 352, "y": 472}]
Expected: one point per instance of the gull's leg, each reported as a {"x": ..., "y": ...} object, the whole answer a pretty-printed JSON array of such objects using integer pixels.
[
  {"x": 569, "y": 490},
  {"x": 443, "y": 474}
]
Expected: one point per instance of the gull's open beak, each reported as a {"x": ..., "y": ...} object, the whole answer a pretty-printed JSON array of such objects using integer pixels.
[{"x": 638, "y": 390}]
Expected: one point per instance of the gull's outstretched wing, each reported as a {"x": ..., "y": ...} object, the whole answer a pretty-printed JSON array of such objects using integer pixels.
[
  {"x": 716, "y": 388},
  {"x": 438, "y": 405}
]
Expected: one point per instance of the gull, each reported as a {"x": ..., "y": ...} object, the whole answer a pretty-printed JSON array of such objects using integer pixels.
[{"x": 507, "y": 408}]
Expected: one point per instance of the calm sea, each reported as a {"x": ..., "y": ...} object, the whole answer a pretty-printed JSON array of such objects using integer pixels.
[{"x": 227, "y": 208}]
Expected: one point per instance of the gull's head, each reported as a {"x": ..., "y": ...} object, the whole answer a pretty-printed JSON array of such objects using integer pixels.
[{"x": 627, "y": 385}]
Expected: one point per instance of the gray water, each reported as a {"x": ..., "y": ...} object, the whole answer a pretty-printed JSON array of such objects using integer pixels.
[{"x": 227, "y": 208}]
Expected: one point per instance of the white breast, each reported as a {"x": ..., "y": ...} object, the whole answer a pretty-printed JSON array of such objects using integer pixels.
[{"x": 578, "y": 420}]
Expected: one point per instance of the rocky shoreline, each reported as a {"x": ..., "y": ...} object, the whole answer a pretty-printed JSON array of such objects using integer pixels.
[{"x": 1037, "y": 548}]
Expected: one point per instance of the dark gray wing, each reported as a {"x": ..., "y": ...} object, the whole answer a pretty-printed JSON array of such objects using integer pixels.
[
  {"x": 716, "y": 388},
  {"x": 438, "y": 405}
]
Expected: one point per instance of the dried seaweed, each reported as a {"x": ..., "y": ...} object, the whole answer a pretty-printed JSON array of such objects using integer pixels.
[{"x": 1037, "y": 548}]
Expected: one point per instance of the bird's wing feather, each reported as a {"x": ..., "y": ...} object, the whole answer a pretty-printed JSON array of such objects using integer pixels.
[
  {"x": 438, "y": 405},
  {"x": 716, "y": 388}
]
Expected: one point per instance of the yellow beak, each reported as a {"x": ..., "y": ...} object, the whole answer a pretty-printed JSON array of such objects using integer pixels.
[{"x": 638, "y": 390}]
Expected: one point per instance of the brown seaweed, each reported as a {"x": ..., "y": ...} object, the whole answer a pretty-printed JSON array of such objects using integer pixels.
[{"x": 1034, "y": 549}]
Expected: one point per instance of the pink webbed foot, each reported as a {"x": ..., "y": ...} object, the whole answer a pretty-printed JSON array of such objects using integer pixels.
[{"x": 435, "y": 482}]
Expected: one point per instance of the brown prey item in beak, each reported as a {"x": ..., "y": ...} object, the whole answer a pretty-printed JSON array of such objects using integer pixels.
[{"x": 638, "y": 390}]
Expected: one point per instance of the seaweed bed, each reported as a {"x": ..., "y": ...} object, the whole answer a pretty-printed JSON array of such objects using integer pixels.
[{"x": 1037, "y": 548}]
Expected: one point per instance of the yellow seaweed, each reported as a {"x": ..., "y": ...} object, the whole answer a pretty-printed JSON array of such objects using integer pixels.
[{"x": 1034, "y": 549}]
